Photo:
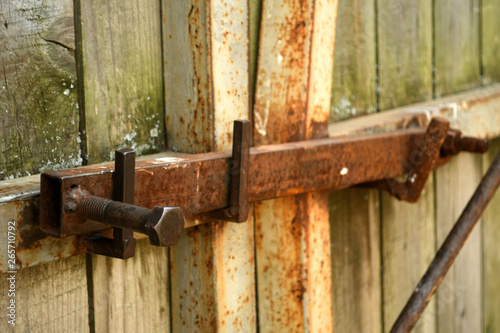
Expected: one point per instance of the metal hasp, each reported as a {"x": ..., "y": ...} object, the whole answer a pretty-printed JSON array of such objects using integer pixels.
[
  {"x": 219, "y": 186},
  {"x": 449, "y": 250},
  {"x": 436, "y": 148}
]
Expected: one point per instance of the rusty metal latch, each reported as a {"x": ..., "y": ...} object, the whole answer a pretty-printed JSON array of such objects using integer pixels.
[{"x": 174, "y": 193}]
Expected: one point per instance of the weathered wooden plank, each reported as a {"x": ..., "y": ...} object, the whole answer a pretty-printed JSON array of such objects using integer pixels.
[
  {"x": 48, "y": 298},
  {"x": 408, "y": 247},
  {"x": 490, "y": 12},
  {"x": 491, "y": 254},
  {"x": 292, "y": 103},
  {"x": 457, "y": 56},
  {"x": 355, "y": 214},
  {"x": 121, "y": 86},
  {"x": 354, "y": 81},
  {"x": 405, "y": 76},
  {"x": 404, "y": 51},
  {"x": 355, "y": 237},
  {"x": 206, "y": 56},
  {"x": 120, "y": 76},
  {"x": 38, "y": 100},
  {"x": 131, "y": 295},
  {"x": 459, "y": 298}
]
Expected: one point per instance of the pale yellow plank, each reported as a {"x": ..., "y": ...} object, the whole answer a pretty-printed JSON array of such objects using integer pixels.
[
  {"x": 491, "y": 253},
  {"x": 408, "y": 247},
  {"x": 292, "y": 103},
  {"x": 355, "y": 237},
  {"x": 206, "y": 71},
  {"x": 459, "y": 297},
  {"x": 48, "y": 298},
  {"x": 131, "y": 295}
]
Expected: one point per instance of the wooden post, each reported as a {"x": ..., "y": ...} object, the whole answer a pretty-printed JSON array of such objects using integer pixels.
[
  {"x": 490, "y": 43},
  {"x": 206, "y": 67},
  {"x": 292, "y": 103}
]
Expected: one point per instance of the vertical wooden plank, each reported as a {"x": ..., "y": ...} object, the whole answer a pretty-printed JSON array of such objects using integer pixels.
[
  {"x": 206, "y": 58},
  {"x": 491, "y": 255},
  {"x": 404, "y": 51},
  {"x": 405, "y": 76},
  {"x": 355, "y": 237},
  {"x": 408, "y": 247},
  {"x": 354, "y": 81},
  {"x": 48, "y": 298},
  {"x": 456, "y": 31},
  {"x": 355, "y": 213},
  {"x": 459, "y": 298},
  {"x": 39, "y": 131},
  {"x": 292, "y": 103},
  {"x": 132, "y": 295},
  {"x": 490, "y": 26},
  {"x": 120, "y": 76},
  {"x": 38, "y": 99},
  {"x": 121, "y": 85}
]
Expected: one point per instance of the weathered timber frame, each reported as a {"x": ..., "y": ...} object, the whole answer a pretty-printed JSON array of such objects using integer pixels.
[{"x": 296, "y": 168}]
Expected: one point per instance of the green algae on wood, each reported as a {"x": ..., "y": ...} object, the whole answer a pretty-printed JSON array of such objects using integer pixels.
[
  {"x": 354, "y": 82},
  {"x": 38, "y": 100},
  {"x": 120, "y": 68}
]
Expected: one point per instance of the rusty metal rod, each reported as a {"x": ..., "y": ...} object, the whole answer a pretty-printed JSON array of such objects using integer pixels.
[{"x": 449, "y": 250}]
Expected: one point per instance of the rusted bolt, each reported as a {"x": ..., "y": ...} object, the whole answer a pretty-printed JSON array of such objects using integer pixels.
[
  {"x": 163, "y": 225},
  {"x": 455, "y": 143}
]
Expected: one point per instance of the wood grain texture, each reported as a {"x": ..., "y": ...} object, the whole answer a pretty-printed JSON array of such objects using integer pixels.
[
  {"x": 292, "y": 103},
  {"x": 459, "y": 297},
  {"x": 120, "y": 76},
  {"x": 491, "y": 254},
  {"x": 131, "y": 295},
  {"x": 457, "y": 56},
  {"x": 405, "y": 76},
  {"x": 354, "y": 82},
  {"x": 206, "y": 57},
  {"x": 49, "y": 298},
  {"x": 404, "y": 51},
  {"x": 408, "y": 247},
  {"x": 355, "y": 213},
  {"x": 355, "y": 237},
  {"x": 490, "y": 12},
  {"x": 120, "y": 72},
  {"x": 38, "y": 100}
]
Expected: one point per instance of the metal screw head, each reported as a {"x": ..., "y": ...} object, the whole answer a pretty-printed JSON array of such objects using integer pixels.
[{"x": 165, "y": 226}]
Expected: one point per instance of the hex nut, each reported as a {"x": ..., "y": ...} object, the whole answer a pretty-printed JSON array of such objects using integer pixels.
[{"x": 165, "y": 226}]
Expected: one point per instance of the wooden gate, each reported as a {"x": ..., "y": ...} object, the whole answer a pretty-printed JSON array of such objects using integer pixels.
[{"x": 80, "y": 79}]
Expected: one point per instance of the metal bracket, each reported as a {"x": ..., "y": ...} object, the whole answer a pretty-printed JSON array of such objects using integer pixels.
[
  {"x": 238, "y": 171},
  {"x": 436, "y": 148}
]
